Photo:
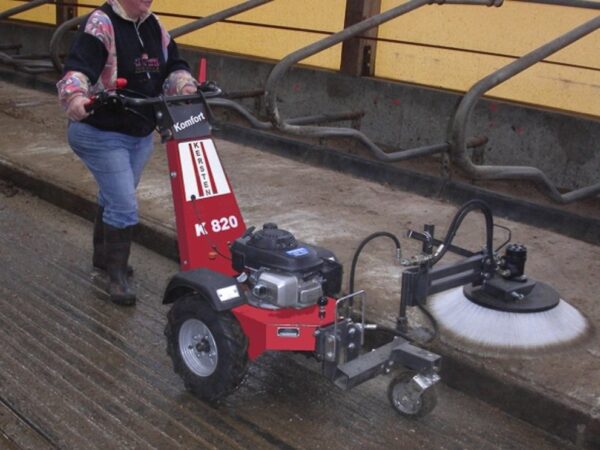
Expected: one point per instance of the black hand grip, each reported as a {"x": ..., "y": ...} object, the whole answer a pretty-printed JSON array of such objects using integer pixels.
[{"x": 210, "y": 89}]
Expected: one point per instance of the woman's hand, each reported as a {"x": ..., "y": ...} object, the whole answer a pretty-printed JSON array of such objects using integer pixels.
[
  {"x": 189, "y": 89},
  {"x": 76, "y": 109}
]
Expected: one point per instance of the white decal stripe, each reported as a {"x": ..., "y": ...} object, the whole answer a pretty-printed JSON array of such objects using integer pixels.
[
  {"x": 215, "y": 167},
  {"x": 187, "y": 169}
]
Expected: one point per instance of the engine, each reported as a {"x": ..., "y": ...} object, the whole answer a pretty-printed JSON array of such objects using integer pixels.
[{"x": 283, "y": 272}]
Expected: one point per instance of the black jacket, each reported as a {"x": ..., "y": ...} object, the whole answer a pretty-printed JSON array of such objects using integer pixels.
[{"x": 140, "y": 60}]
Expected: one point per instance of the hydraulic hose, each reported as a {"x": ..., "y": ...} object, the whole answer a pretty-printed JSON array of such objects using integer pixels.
[
  {"x": 364, "y": 242},
  {"x": 471, "y": 205}
]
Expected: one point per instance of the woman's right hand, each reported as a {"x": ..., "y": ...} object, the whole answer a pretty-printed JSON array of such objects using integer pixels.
[{"x": 76, "y": 109}]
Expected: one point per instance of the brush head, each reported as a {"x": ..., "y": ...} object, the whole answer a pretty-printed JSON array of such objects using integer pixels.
[{"x": 492, "y": 332}]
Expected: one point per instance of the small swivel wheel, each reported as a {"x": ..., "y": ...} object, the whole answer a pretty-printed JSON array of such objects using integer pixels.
[
  {"x": 413, "y": 395},
  {"x": 207, "y": 347}
]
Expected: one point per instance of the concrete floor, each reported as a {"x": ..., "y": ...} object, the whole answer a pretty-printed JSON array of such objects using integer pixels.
[{"x": 78, "y": 372}]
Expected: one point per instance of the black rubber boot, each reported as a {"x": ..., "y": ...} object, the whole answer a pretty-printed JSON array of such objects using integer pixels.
[
  {"x": 117, "y": 244},
  {"x": 99, "y": 255}
]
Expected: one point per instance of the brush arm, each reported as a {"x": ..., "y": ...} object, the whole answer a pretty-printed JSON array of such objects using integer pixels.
[{"x": 420, "y": 282}]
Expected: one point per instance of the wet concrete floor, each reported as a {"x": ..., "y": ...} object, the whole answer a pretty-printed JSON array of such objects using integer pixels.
[{"x": 79, "y": 372}]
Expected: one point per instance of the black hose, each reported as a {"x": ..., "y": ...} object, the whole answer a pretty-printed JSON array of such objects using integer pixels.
[
  {"x": 457, "y": 220},
  {"x": 364, "y": 242},
  {"x": 454, "y": 225}
]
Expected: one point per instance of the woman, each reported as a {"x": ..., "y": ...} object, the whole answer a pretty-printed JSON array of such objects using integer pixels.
[{"x": 121, "y": 39}]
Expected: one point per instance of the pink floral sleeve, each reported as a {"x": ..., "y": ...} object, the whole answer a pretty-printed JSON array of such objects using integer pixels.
[
  {"x": 76, "y": 83},
  {"x": 178, "y": 79}
]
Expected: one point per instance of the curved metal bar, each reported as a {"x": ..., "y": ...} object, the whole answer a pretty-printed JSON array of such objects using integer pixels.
[
  {"x": 230, "y": 104},
  {"x": 26, "y": 64},
  {"x": 262, "y": 125},
  {"x": 457, "y": 135},
  {"x": 22, "y": 8},
  {"x": 216, "y": 17},
  {"x": 313, "y": 131},
  {"x": 58, "y": 36}
]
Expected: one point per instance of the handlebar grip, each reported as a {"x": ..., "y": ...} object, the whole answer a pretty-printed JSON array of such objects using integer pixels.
[{"x": 210, "y": 89}]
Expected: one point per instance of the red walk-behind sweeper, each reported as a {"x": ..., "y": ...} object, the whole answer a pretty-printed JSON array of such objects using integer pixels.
[{"x": 242, "y": 292}]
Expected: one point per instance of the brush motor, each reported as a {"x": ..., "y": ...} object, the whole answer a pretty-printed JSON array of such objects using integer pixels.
[
  {"x": 513, "y": 262},
  {"x": 282, "y": 272}
]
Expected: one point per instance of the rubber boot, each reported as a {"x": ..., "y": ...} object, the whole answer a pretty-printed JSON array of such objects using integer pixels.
[
  {"x": 117, "y": 244},
  {"x": 99, "y": 255}
]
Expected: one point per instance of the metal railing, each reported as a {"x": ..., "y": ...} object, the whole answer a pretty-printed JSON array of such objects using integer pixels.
[
  {"x": 457, "y": 143},
  {"x": 457, "y": 134},
  {"x": 32, "y": 64},
  {"x": 355, "y": 30},
  {"x": 59, "y": 35}
]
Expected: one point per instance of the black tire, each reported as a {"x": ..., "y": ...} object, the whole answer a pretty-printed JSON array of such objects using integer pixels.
[
  {"x": 405, "y": 405},
  {"x": 210, "y": 378}
]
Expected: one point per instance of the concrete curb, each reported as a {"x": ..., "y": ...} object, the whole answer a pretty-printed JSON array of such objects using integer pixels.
[{"x": 510, "y": 395}]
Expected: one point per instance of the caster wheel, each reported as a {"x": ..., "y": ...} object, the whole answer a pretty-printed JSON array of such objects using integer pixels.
[
  {"x": 207, "y": 347},
  {"x": 406, "y": 398}
]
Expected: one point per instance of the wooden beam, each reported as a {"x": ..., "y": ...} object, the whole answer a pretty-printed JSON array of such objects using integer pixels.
[
  {"x": 358, "y": 54},
  {"x": 65, "y": 10}
]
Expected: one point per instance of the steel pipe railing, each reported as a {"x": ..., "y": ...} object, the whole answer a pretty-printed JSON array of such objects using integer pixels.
[
  {"x": 22, "y": 8},
  {"x": 314, "y": 131},
  {"x": 265, "y": 125},
  {"x": 216, "y": 17},
  {"x": 26, "y": 64},
  {"x": 457, "y": 134},
  {"x": 59, "y": 35}
]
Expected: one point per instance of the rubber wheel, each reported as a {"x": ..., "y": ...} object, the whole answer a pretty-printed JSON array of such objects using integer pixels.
[
  {"x": 207, "y": 347},
  {"x": 406, "y": 405}
]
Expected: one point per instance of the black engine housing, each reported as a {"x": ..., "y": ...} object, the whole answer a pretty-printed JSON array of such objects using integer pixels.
[{"x": 278, "y": 250}]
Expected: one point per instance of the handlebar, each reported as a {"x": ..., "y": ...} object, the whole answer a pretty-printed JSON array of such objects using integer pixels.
[{"x": 206, "y": 90}]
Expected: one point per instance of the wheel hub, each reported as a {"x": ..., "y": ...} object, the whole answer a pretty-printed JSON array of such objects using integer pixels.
[
  {"x": 203, "y": 346},
  {"x": 405, "y": 399},
  {"x": 198, "y": 347}
]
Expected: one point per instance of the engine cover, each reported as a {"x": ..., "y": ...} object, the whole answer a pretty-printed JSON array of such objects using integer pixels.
[
  {"x": 283, "y": 272},
  {"x": 276, "y": 249}
]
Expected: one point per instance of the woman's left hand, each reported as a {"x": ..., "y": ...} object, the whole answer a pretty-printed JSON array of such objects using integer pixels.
[{"x": 189, "y": 89}]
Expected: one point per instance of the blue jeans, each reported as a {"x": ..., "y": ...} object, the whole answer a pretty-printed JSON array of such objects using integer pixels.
[{"x": 116, "y": 160}]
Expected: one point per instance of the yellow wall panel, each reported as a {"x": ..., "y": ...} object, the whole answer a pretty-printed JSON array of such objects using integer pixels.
[
  {"x": 547, "y": 85},
  {"x": 309, "y": 14},
  {"x": 260, "y": 41},
  {"x": 512, "y": 29},
  {"x": 452, "y": 47},
  {"x": 42, "y": 14}
]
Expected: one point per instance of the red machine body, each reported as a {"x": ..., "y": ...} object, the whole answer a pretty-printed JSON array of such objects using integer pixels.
[
  {"x": 208, "y": 220},
  {"x": 207, "y": 215},
  {"x": 281, "y": 290}
]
